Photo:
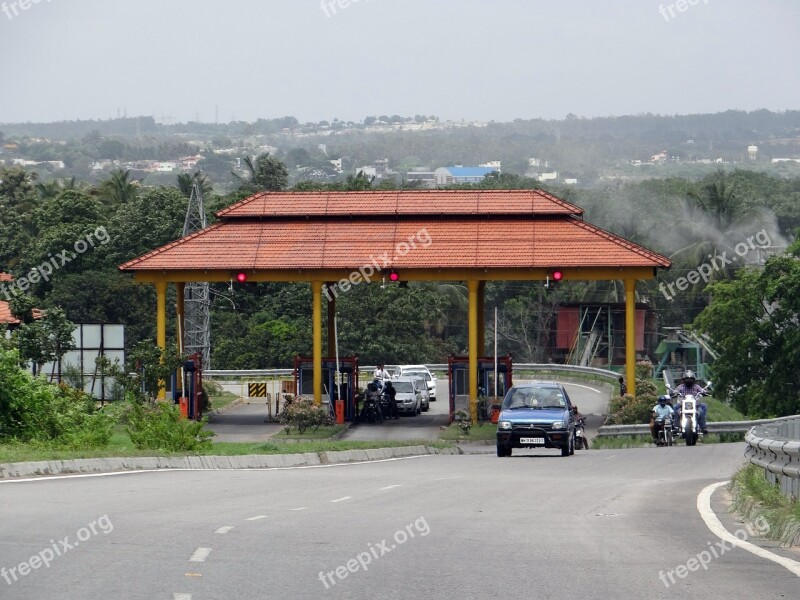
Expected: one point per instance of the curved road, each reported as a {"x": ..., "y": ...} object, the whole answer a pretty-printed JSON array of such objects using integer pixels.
[{"x": 602, "y": 524}]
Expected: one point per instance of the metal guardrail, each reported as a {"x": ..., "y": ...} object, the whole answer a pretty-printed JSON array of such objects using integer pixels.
[
  {"x": 775, "y": 447},
  {"x": 433, "y": 367},
  {"x": 712, "y": 426}
]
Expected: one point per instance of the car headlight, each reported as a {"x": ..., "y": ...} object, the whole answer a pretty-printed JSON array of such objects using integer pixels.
[
  {"x": 504, "y": 425},
  {"x": 558, "y": 424}
]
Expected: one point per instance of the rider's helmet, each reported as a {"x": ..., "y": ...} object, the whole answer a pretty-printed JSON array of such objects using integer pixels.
[
  {"x": 388, "y": 383},
  {"x": 688, "y": 377},
  {"x": 663, "y": 399}
]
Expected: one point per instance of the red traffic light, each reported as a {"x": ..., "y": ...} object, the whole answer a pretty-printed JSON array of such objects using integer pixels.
[
  {"x": 394, "y": 275},
  {"x": 241, "y": 277},
  {"x": 557, "y": 275}
]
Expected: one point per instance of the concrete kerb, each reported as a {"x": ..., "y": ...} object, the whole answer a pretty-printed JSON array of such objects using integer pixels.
[{"x": 251, "y": 461}]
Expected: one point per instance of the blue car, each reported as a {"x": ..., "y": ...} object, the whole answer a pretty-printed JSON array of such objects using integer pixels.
[{"x": 536, "y": 415}]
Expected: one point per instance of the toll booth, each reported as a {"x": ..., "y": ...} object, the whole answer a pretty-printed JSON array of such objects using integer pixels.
[
  {"x": 190, "y": 401},
  {"x": 348, "y": 368},
  {"x": 457, "y": 372}
]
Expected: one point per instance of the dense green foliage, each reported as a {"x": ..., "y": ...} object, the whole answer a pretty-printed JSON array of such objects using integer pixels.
[
  {"x": 159, "y": 426},
  {"x": 753, "y": 322},
  {"x": 32, "y": 410},
  {"x": 302, "y": 413}
]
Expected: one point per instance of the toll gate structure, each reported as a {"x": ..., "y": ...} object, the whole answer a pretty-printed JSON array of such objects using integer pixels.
[{"x": 335, "y": 240}]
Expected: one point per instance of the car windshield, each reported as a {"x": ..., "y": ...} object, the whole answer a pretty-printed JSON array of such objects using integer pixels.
[
  {"x": 419, "y": 375},
  {"x": 535, "y": 397},
  {"x": 403, "y": 387}
]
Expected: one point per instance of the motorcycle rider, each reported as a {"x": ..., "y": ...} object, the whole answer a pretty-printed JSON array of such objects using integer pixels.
[
  {"x": 380, "y": 373},
  {"x": 660, "y": 411},
  {"x": 580, "y": 421},
  {"x": 372, "y": 395},
  {"x": 390, "y": 392},
  {"x": 690, "y": 386}
]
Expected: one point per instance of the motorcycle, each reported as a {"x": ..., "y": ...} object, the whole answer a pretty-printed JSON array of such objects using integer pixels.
[
  {"x": 371, "y": 411},
  {"x": 665, "y": 433},
  {"x": 580, "y": 435},
  {"x": 688, "y": 426}
]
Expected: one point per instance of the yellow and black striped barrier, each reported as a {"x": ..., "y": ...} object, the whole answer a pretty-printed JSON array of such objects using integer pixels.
[{"x": 257, "y": 390}]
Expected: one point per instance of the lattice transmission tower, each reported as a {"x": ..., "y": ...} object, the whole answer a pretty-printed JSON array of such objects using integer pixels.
[{"x": 197, "y": 301}]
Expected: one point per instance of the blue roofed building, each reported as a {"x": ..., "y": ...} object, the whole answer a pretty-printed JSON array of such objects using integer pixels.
[{"x": 459, "y": 174}]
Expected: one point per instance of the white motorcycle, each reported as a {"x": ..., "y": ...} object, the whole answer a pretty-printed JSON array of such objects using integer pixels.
[{"x": 688, "y": 425}]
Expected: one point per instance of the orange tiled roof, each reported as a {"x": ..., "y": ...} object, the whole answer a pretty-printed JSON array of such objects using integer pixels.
[
  {"x": 5, "y": 277},
  {"x": 454, "y": 243},
  {"x": 400, "y": 202},
  {"x": 5, "y": 314}
]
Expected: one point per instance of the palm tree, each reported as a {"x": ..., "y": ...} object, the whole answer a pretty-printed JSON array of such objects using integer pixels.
[
  {"x": 265, "y": 173},
  {"x": 117, "y": 189},
  {"x": 186, "y": 183}
]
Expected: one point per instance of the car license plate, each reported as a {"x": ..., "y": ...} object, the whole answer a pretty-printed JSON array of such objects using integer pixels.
[{"x": 531, "y": 440}]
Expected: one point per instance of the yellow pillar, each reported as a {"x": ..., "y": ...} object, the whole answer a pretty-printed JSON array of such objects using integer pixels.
[
  {"x": 481, "y": 319},
  {"x": 472, "y": 286},
  {"x": 316, "y": 303},
  {"x": 179, "y": 313},
  {"x": 331, "y": 316},
  {"x": 161, "y": 328},
  {"x": 630, "y": 335}
]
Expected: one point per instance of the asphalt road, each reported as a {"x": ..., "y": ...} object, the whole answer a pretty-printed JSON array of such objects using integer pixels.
[{"x": 601, "y": 524}]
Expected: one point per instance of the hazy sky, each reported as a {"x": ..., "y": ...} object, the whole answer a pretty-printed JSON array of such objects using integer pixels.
[{"x": 470, "y": 59}]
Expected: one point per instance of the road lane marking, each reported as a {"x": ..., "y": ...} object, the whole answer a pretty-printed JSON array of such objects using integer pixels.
[
  {"x": 586, "y": 387},
  {"x": 299, "y": 508},
  {"x": 342, "y": 499},
  {"x": 716, "y": 527},
  {"x": 256, "y": 518},
  {"x": 200, "y": 555},
  {"x": 225, "y": 529},
  {"x": 181, "y": 597},
  {"x": 389, "y": 487}
]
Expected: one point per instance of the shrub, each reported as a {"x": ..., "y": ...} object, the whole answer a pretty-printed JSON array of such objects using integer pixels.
[
  {"x": 159, "y": 426},
  {"x": 629, "y": 410},
  {"x": 302, "y": 413},
  {"x": 33, "y": 410}
]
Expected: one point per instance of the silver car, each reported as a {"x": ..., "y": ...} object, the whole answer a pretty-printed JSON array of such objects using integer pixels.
[
  {"x": 422, "y": 386},
  {"x": 408, "y": 398},
  {"x": 430, "y": 382}
]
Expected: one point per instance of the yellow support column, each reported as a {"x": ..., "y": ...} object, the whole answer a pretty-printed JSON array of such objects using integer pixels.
[
  {"x": 179, "y": 313},
  {"x": 331, "y": 316},
  {"x": 630, "y": 335},
  {"x": 161, "y": 328},
  {"x": 481, "y": 319},
  {"x": 316, "y": 303},
  {"x": 472, "y": 286}
]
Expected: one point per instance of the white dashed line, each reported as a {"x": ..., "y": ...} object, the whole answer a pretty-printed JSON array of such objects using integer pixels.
[
  {"x": 200, "y": 555},
  {"x": 388, "y": 487},
  {"x": 342, "y": 499},
  {"x": 716, "y": 527},
  {"x": 181, "y": 597},
  {"x": 299, "y": 508},
  {"x": 225, "y": 529},
  {"x": 257, "y": 518}
]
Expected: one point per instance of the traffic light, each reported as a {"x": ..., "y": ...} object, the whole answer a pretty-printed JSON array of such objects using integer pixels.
[
  {"x": 553, "y": 278},
  {"x": 394, "y": 275},
  {"x": 241, "y": 277}
]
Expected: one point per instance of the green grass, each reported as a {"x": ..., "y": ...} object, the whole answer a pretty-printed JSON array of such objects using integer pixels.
[
  {"x": 322, "y": 433},
  {"x": 482, "y": 431},
  {"x": 222, "y": 400},
  {"x": 720, "y": 411},
  {"x": 754, "y": 497},
  {"x": 121, "y": 446}
]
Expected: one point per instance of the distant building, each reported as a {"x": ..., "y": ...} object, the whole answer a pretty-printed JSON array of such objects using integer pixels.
[
  {"x": 570, "y": 181},
  {"x": 752, "y": 152},
  {"x": 780, "y": 160},
  {"x": 459, "y": 174},
  {"x": 425, "y": 177},
  {"x": 552, "y": 176},
  {"x": 337, "y": 165}
]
